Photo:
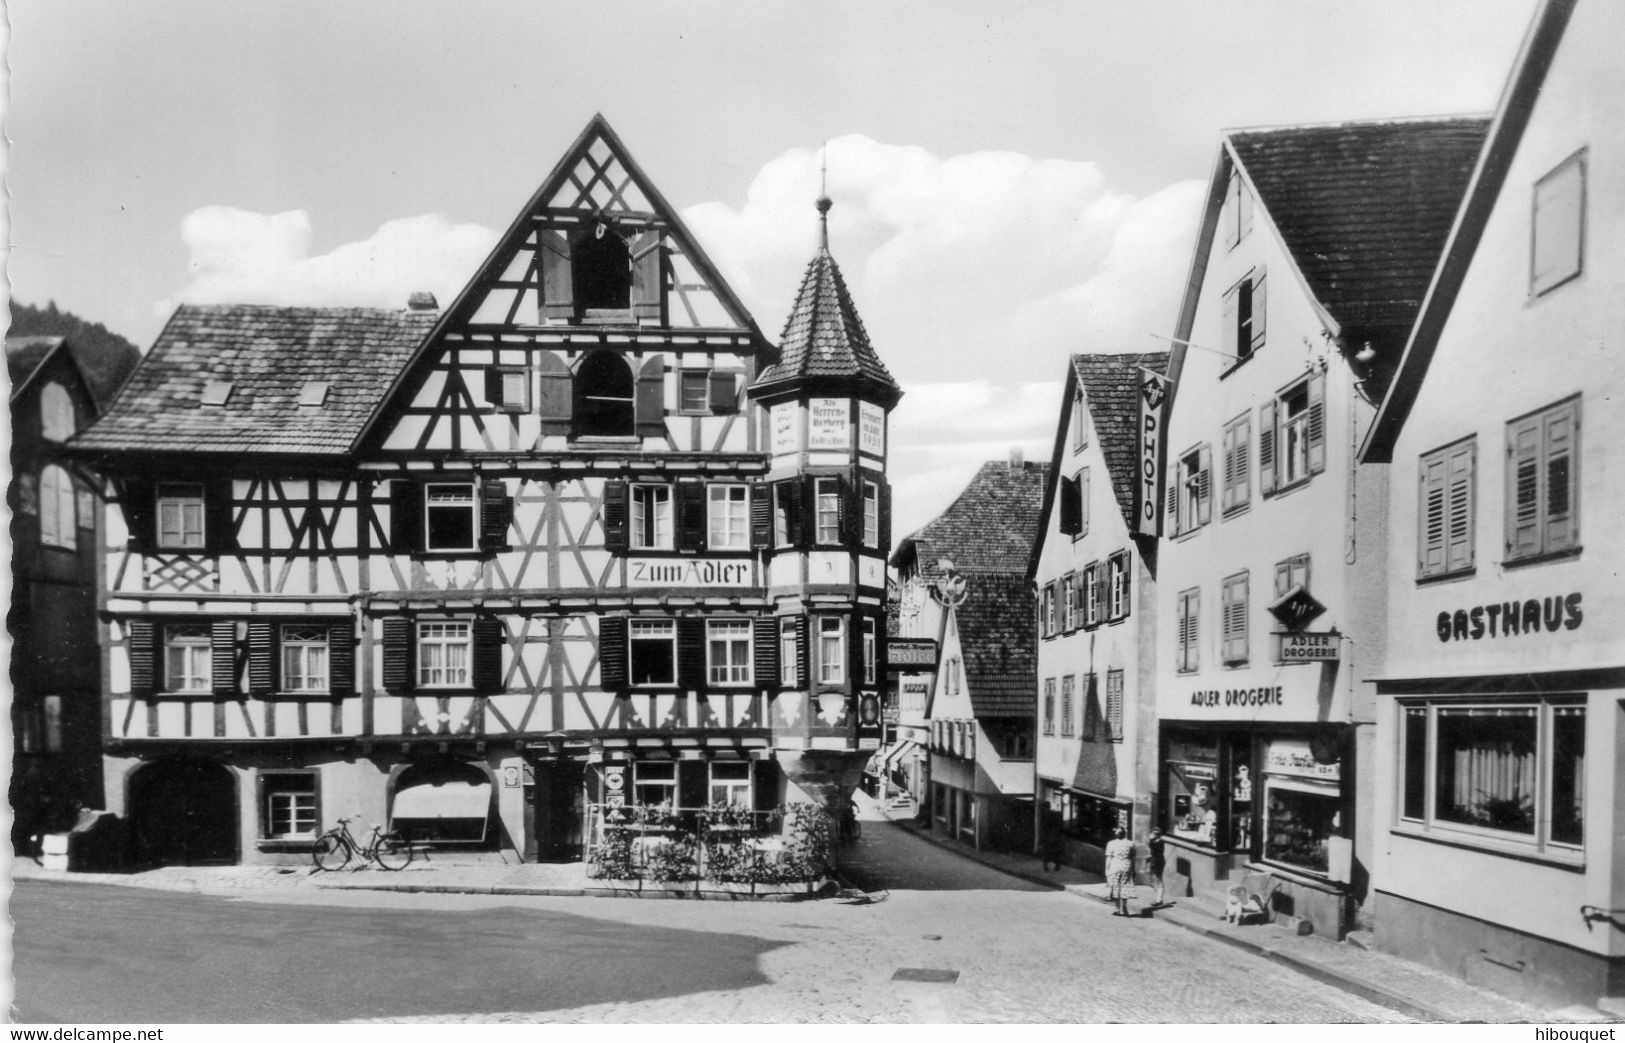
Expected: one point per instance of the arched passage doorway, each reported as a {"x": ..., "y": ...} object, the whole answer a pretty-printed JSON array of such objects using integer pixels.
[
  {"x": 444, "y": 803},
  {"x": 183, "y": 812}
]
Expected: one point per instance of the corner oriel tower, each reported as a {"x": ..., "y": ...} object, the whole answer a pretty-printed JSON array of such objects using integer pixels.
[{"x": 826, "y": 523}]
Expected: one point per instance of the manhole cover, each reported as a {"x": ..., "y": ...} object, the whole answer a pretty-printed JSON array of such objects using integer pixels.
[{"x": 925, "y": 974}]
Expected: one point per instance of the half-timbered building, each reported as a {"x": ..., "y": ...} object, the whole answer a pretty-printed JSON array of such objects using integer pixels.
[{"x": 583, "y": 538}]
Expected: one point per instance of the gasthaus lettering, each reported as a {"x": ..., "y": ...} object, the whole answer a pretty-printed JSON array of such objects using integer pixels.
[
  {"x": 688, "y": 573},
  {"x": 1511, "y": 618}
]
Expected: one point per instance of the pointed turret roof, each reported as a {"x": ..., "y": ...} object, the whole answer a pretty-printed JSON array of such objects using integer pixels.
[{"x": 824, "y": 337}]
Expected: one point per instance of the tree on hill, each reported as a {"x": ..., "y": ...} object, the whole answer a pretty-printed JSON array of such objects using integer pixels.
[{"x": 105, "y": 357}]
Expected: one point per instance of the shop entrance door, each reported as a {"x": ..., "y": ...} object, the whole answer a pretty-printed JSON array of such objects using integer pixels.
[
  {"x": 555, "y": 810},
  {"x": 183, "y": 813}
]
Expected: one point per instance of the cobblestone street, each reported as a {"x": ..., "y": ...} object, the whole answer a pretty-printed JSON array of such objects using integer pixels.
[{"x": 1022, "y": 953}]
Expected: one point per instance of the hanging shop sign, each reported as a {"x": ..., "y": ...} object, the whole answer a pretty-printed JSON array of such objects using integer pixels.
[
  {"x": 687, "y": 572},
  {"x": 1308, "y": 648},
  {"x": 1511, "y": 618},
  {"x": 828, "y": 423},
  {"x": 1154, "y": 391},
  {"x": 871, "y": 428},
  {"x": 1297, "y": 608},
  {"x": 903, "y": 652}
]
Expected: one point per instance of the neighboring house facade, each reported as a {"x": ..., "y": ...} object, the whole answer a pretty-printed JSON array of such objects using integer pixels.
[
  {"x": 1094, "y": 578},
  {"x": 1314, "y": 250},
  {"x": 1501, "y": 728},
  {"x": 56, "y": 520},
  {"x": 583, "y": 539},
  {"x": 963, "y": 582}
]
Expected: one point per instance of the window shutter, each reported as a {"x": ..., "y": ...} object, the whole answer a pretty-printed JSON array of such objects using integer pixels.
[
  {"x": 1523, "y": 489},
  {"x": 692, "y": 783},
  {"x": 612, "y": 652},
  {"x": 765, "y": 783},
  {"x": 614, "y": 514},
  {"x": 340, "y": 658},
  {"x": 1102, "y": 605},
  {"x": 1204, "y": 484},
  {"x": 137, "y": 502},
  {"x": 487, "y": 665},
  {"x": 1172, "y": 493},
  {"x": 885, "y": 514},
  {"x": 1083, "y": 502},
  {"x": 223, "y": 656},
  {"x": 262, "y": 657},
  {"x": 1068, "y": 523},
  {"x": 1461, "y": 508},
  {"x": 1244, "y": 210},
  {"x": 1266, "y": 448},
  {"x": 1128, "y": 590},
  {"x": 219, "y": 528},
  {"x": 1114, "y": 705},
  {"x": 648, "y": 279},
  {"x": 789, "y": 493},
  {"x": 1227, "y": 495},
  {"x": 405, "y": 517},
  {"x": 1430, "y": 544},
  {"x": 765, "y": 653},
  {"x": 690, "y": 497},
  {"x": 140, "y": 637},
  {"x": 809, "y": 511},
  {"x": 493, "y": 387},
  {"x": 1562, "y": 430},
  {"x": 724, "y": 398},
  {"x": 803, "y": 654},
  {"x": 1317, "y": 423},
  {"x": 1260, "y": 311},
  {"x": 854, "y": 650},
  {"x": 553, "y": 395},
  {"x": 496, "y": 515},
  {"x": 400, "y": 654},
  {"x": 849, "y": 495},
  {"x": 558, "y": 297},
  {"x": 650, "y": 404},
  {"x": 1193, "y": 650},
  {"x": 691, "y": 653},
  {"x": 1230, "y": 345},
  {"x": 761, "y": 516},
  {"x": 1231, "y": 218}
]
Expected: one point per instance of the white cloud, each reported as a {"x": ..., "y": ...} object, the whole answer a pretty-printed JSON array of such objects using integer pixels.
[{"x": 241, "y": 257}]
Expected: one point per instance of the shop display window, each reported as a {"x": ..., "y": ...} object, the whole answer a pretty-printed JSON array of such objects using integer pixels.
[
  {"x": 1193, "y": 802},
  {"x": 1299, "y": 820}
]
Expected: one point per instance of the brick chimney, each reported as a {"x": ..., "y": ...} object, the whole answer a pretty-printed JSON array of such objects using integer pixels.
[{"x": 422, "y": 300}]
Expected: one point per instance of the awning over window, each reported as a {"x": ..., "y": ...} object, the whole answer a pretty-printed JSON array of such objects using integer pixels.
[
  {"x": 446, "y": 810},
  {"x": 895, "y": 755}
]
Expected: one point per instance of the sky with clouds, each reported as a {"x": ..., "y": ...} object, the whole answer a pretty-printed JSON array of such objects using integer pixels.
[{"x": 1013, "y": 181}]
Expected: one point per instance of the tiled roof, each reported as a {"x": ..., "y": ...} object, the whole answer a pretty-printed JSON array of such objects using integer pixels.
[
  {"x": 1111, "y": 387},
  {"x": 1364, "y": 207},
  {"x": 24, "y": 355},
  {"x": 997, "y": 636},
  {"x": 989, "y": 528},
  {"x": 268, "y": 354},
  {"x": 824, "y": 337}
]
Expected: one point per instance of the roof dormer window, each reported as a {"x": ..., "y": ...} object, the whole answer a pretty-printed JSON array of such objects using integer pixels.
[
  {"x": 216, "y": 392},
  {"x": 314, "y": 393}
]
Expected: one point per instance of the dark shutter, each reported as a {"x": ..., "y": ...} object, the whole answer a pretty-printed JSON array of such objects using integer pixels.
[
  {"x": 400, "y": 654},
  {"x": 138, "y": 502},
  {"x": 761, "y": 516},
  {"x": 554, "y": 406},
  {"x": 341, "y": 658},
  {"x": 803, "y": 654},
  {"x": 1204, "y": 484},
  {"x": 693, "y": 783},
  {"x": 143, "y": 652},
  {"x": 691, "y": 653},
  {"x": 493, "y": 387},
  {"x": 724, "y": 399},
  {"x": 488, "y": 642},
  {"x": 648, "y": 279},
  {"x": 765, "y": 783},
  {"x": 496, "y": 515},
  {"x": 612, "y": 652},
  {"x": 1260, "y": 311},
  {"x": 1266, "y": 448},
  {"x": 615, "y": 514},
  {"x": 789, "y": 494},
  {"x": 405, "y": 517},
  {"x": 1317, "y": 423},
  {"x": 262, "y": 657},
  {"x": 219, "y": 527},
  {"x": 1071, "y": 500},
  {"x": 849, "y": 502},
  {"x": 690, "y": 498},
  {"x": 1171, "y": 477},
  {"x": 854, "y": 650},
  {"x": 766, "y": 651},
  {"x": 558, "y": 297},
  {"x": 223, "y": 656},
  {"x": 1128, "y": 587},
  {"x": 885, "y": 515},
  {"x": 649, "y": 405}
]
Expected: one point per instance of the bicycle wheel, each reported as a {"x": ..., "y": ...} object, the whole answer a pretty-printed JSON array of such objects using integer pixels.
[
  {"x": 392, "y": 852},
  {"x": 330, "y": 852}
]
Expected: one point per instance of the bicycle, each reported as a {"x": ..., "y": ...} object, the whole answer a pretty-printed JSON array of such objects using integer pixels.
[{"x": 337, "y": 846}]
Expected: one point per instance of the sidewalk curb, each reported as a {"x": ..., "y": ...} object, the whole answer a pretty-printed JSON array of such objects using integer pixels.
[{"x": 1364, "y": 990}]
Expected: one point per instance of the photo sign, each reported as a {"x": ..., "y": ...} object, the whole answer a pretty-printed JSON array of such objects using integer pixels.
[
  {"x": 828, "y": 425},
  {"x": 1154, "y": 391}
]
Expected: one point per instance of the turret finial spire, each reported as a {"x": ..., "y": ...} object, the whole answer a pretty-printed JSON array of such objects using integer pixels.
[{"x": 824, "y": 202}]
